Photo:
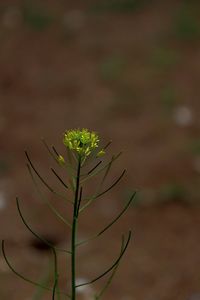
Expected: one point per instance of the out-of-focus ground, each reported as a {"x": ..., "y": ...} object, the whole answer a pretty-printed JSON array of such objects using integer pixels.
[{"x": 129, "y": 70}]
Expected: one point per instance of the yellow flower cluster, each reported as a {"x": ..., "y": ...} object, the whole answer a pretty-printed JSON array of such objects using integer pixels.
[{"x": 81, "y": 141}]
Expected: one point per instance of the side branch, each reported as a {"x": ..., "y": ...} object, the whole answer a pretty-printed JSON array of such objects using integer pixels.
[
  {"x": 23, "y": 277},
  {"x": 113, "y": 265},
  {"x": 111, "y": 223},
  {"x": 59, "y": 178},
  {"x": 37, "y": 173},
  {"x": 102, "y": 193},
  {"x": 36, "y": 234},
  {"x": 58, "y": 215}
]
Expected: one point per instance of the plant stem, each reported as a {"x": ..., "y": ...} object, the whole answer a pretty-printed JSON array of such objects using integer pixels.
[{"x": 73, "y": 236}]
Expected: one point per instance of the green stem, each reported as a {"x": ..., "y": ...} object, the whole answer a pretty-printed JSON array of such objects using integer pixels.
[
  {"x": 55, "y": 288},
  {"x": 73, "y": 237}
]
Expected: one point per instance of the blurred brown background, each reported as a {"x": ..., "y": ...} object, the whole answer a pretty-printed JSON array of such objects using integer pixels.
[{"x": 128, "y": 69}]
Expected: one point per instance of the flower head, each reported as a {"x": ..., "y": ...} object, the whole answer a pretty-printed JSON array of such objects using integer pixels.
[{"x": 81, "y": 141}]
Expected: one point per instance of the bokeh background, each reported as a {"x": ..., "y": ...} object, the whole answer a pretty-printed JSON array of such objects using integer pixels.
[{"x": 128, "y": 69}]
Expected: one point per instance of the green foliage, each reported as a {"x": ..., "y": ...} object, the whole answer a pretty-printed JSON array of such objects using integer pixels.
[{"x": 36, "y": 17}]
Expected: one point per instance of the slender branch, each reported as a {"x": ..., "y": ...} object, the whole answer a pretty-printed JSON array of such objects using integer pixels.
[
  {"x": 107, "y": 145},
  {"x": 34, "y": 233},
  {"x": 120, "y": 214},
  {"x": 55, "y": 286},
  {"x": 107, "y": 171},
  {"x": 49, "y": 150},
  {"x": 94, "y": 154},
  {"x": 97, "y": 297},
  {"x": 111, "y": 223},
  {"x": 113, "y": 265},
  {"x": 73, "y": 236},
  {"x": 102, "y": 193},
  {"x": 46, "y": 201},
  {"x": 115, "y": 183},
  {"x": 56, "y": 152},
  {"x": 103, "y": 168},
  {"x": 59, "y": 178},
  {"x": 70, "y": 169},
  {"x": 23, "y": 277},
  {"x": 45, "y": 279},
  {"x": 37, "y": 173},
  {"x": 41, "y": 178},
  {"x": 94, "y": 168},
  {"x": 79, "y": 201}
]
